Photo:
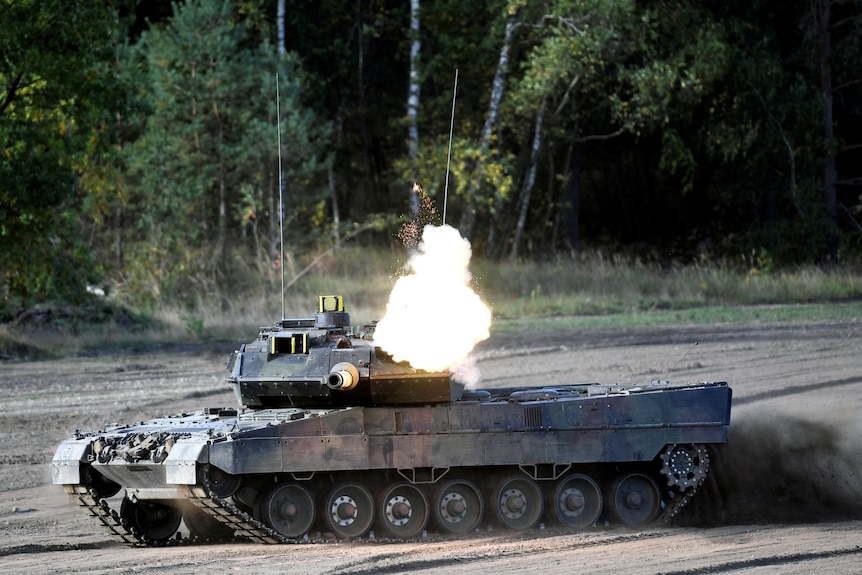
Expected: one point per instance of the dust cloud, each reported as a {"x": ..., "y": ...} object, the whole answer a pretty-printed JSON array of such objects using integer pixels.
[{"x": 780, "y": 470}]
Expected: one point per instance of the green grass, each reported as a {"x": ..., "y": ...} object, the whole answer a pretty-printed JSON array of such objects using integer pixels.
[
  {"x": 711, "y": 315},
  {"x": 590, "y": 290},
  {"x": 593, "y": 285}
]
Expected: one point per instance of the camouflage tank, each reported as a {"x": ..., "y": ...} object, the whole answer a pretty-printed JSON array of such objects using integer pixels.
[{"x": 335, "y": 437}]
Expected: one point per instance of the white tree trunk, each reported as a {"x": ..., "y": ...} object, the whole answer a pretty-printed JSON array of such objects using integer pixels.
[
  {"x": 280, "y": 16},
  {"x": 529, "y": 181},
  {"x": 499, "y": 85},
  {"x": 413, "y": 97},
  {"x": 468, "y": 218}
]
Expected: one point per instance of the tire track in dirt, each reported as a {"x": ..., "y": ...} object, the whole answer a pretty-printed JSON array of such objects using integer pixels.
[
  {"x": 540, "y": 542},
  {"x": 771, "y": 561},
  {"x": 795, "y": 390},
  {"x": 43, "y": 548}
]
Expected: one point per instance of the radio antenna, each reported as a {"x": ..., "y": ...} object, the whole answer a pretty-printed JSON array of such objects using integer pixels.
[
  {"x": 673, "y": 367},
  {"x": 280, "y": 192},
  {"x": 449, "y": 156}
]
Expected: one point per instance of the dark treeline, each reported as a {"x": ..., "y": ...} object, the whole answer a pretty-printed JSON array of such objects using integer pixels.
[{"x": 139, "y": 139}]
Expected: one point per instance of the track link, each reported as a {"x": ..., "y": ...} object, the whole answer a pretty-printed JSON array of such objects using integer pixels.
[
  {"x": 97, "y": 508},
  {"x": 683, "y": 498},
  {"x": 225, "y": 512}
]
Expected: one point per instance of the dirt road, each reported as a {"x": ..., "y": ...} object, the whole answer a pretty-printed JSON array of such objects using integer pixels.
[{"x": 785, "y": 495}]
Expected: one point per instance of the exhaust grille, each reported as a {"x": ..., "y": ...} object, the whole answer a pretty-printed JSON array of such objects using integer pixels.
[{"x": 533, "y": 417}]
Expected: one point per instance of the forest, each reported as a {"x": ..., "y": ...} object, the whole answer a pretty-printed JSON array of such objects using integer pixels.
[{"x": 140, "y": 139}]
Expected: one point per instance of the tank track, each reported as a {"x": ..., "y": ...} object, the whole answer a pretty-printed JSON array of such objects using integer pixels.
[
  {"x": 247, "y": 527},
  {"x": 242, "y": 523},
  {"x": 201, "y": 496},
  {"x": 98, "y": 508},
  {"x": 120, "y": 530},
  {"x": 677, "y": 504},
  {"x": 684, "y": 497}
]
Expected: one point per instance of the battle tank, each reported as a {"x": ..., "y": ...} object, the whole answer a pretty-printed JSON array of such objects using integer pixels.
[{"x": 333, "y": 436}]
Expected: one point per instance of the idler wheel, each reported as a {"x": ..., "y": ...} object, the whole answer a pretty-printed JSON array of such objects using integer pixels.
[
  {"x": 403, "y": 510},
  {"x": 635, "y": 499},
  {"x": 517, "y": 502},
  {"x": 349, "y": 510},
  {"x": 289, "y": 509},
  {"x": 576, "y": 501},
  {"x": 155, "y": 521},
  {"x": 204, "y": 526},
  {"x": 457, "y": 507}
]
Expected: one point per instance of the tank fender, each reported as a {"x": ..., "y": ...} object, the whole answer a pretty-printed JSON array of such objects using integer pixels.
[
  {"x": 181, "y": 463},
  {"x": 66, "y": 465}
]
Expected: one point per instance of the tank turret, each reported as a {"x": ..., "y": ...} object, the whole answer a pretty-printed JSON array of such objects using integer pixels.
[{"x": 321, "y": 361}]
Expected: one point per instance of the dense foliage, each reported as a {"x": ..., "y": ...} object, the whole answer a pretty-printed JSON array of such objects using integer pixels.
[{"x": 138, "y": 139}]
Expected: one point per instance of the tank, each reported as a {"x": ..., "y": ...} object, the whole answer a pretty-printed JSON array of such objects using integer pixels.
[{"x": 333, "y": 439}]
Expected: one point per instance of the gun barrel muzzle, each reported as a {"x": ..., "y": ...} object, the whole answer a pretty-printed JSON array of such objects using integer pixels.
[{"x": 343, "y": 376}]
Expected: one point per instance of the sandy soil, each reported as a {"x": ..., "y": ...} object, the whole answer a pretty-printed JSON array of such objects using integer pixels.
[{"x": 785, "y": 495}]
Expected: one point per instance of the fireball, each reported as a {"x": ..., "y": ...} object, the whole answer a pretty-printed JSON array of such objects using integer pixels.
[{"x": 434, "y": 319}]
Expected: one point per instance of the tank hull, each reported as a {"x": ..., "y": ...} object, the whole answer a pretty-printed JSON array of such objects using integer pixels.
[{"x": 219, "y": 459}]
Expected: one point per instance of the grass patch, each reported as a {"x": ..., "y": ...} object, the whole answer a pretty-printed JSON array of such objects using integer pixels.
[
  {"x": 596, "y": 285},
  {"x": 587, "y": 291},
  {"x": 711, "y": 315}
]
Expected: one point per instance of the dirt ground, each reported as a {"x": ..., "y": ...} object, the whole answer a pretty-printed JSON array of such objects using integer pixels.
[{"x": 784, "y": 496}]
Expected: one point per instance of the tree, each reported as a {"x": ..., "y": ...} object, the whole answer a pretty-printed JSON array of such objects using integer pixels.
[
  {"x": 529, "y": 182},
  {"x": 846, "y": 64},
  {"x": 57, "y": 97},
  {"x": 206, "y": 160},
  {"x": 607, "y": 70},
  {"x": 573, "y": 67},
  {"x": 842, "y": 62},
  {"x": 413, "y": 92},
  {"x": 479, "y": 171},
  {"x": 472, "y": 193},
  {"x": 626, "y": 124}
]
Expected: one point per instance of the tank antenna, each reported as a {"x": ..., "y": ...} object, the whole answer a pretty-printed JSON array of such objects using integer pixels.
[
  {"x": 449, "y": 156},
  {"x": 280, "y": 192},
  {"x": 673, "y": 367}
]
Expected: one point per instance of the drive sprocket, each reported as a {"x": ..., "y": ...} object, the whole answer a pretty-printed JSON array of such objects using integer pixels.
[{"x": 685, "y": 465}]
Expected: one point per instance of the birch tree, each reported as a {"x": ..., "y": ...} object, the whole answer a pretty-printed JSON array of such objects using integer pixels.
[
  {"x": 498, "y": 88},
  {"x": 413, "y": 91},
  {"x": 529, "y": 181},
  {"x": 595, "y": 63}
]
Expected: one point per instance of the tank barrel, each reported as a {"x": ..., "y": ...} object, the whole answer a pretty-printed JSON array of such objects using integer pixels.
[{"x": 343, "y": 376}]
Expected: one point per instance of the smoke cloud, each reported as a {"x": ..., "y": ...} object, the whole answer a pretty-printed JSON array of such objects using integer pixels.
[{"x": 433, "y": 318}]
